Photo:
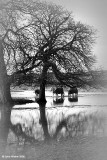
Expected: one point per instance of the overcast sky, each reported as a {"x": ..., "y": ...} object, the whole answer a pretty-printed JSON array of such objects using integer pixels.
[{"x": 94, "y": 13}]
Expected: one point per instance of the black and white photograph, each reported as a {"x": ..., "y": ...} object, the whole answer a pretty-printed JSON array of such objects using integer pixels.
[{"x": 53, "y": 80}]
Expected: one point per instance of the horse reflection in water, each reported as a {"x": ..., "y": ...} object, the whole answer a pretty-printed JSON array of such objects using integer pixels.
[
  {"x": 73, "y": 94},
  {"x": 58, "y": 100}
]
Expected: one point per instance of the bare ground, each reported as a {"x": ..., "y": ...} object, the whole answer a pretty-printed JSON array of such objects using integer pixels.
[{"x": 77, "y": 148}]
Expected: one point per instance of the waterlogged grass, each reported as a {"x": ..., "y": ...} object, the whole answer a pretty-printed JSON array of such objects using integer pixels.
[
  {"x": 61, "y": 124},
  {"x": 75, "y": 135}
]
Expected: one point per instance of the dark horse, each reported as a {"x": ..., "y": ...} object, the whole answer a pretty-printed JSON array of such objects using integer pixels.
[
  {"x": 58, "y": 91},
  {"x": 73, "y": 94},
  {"x": 37, "y": 92}
]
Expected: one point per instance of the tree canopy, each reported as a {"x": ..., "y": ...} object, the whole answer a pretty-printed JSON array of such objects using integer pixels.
[{"x": 38, "y": 36}]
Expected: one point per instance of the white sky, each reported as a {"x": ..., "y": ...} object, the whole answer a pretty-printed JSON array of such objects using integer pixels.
[{"x": 91, "y": 12}]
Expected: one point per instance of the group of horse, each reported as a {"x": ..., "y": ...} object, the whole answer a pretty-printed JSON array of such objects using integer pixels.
[{"x": 58, "y": 92}]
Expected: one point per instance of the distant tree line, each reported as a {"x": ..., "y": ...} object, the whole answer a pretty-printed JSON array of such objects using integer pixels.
[{"x": 33, "y": 79}]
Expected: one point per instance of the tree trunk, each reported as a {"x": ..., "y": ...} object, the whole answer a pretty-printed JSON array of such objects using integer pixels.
[
  {"x": 42, "y": 98},
  {"x": 42, "y": 101},
  {"x": 5, "y": 96},
  {"x": 4, "y": 126}
]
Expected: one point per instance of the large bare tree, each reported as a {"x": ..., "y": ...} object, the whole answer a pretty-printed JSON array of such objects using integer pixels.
[{"x": 58, "y": 43}]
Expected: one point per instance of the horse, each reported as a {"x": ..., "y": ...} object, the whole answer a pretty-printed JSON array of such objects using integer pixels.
[
  {"x": 73, "y": 94},
  {"x": 37, "y": 92},
  {"x": 58, "y": 91}
]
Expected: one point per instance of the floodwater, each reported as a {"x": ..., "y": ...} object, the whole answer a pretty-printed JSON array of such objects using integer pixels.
[
  {"x": 87, "y": 117},
  {"x": 85, "y": 98}
]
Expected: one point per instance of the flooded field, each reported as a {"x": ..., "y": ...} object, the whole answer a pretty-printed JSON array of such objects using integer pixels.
[{"x": 66, "y": 121}]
